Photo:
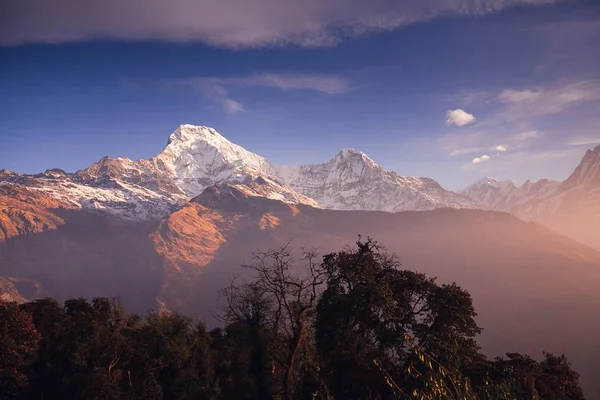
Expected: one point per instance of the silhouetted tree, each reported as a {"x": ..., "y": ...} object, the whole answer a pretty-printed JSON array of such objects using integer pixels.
[
  {"x": 280, "y": 302},
  {"x": 18, "y": 346},
  {"x": 373, "y": 312},
  {"x": 354, "y": 326}
]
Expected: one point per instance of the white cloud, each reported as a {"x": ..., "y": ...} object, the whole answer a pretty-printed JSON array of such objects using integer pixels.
[
  {"x": 501, "y": 148},
  {"x": 527, "y": 136},
  {"x": 459, "y": 117},
  {"x": 482, "y": 159},
  {"x": 584, "y": 141},
  {"x": 226, "y": 23}
]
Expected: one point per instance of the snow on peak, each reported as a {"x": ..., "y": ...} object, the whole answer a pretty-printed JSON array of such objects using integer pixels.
[
  {"x": 187, "y": 133},
  {"x": 493, "y": 182},
  {"x": 347, "y": 152},
  {"x": 491, "y": 193},
  {"x": 198, "y": 157}
]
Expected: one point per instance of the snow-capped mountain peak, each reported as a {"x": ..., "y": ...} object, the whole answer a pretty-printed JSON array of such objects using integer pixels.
[
  {"x": 491, "y": 193},
  {"x": 197, "y": 157},
  {"x": 504, "y": 195}
]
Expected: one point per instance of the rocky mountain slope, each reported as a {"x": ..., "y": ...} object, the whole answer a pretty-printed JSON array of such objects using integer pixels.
[
  {"x": 571, "y": 207},
  {"x": 197, "y": 157},
  {"x": 523, "y": 277}
]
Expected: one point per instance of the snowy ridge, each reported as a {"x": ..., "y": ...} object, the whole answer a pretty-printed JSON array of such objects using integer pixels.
[
  {"x": 197, "y": 157},
  {"x": 352, "y": 181},
  {"x": 491, "y": 194}
]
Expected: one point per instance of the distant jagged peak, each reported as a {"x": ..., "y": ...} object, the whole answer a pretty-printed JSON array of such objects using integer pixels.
[
  {"x": 587, "y": 172},
  {"x": 592, "y": 153},
  {"x": 502, "y": 184},
  {"x": 5, "y": 173}
]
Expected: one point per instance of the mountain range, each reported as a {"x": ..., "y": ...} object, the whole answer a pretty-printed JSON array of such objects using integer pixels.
[
  {"x": 571, "y": 207},
  {"x": 197, "y": 157},
  {"x": 168, "y": 232}
]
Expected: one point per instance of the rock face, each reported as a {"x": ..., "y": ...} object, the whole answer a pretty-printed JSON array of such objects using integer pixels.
[
  {"x": 197, "y": 157},
  {"x": 15, "y": 289},
  {"x": 24, "y": 212}
]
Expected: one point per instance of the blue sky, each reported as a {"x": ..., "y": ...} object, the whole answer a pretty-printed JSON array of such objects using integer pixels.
[{"x": 454, "y": 90}]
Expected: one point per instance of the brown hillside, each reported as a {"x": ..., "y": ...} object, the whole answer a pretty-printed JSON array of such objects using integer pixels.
[{"x": 533, "y": 289}]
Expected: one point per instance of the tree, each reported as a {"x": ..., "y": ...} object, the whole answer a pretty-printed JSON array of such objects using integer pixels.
[
  {"x": 526, "y": 378},
  {"x": 279, "y": 303},
  {"x": 374, "y": 312},
  {"x": 18, "y": 347},
  {"x": 51, "y": 362}
]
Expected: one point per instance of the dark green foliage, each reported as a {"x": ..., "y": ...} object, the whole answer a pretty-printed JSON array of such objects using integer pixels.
[
  {"x": 356, "y": 326},
  {"x": 371, "y": 307},
  {"x": 525, "y": 378},
  {"x": 18, "y": 343}
]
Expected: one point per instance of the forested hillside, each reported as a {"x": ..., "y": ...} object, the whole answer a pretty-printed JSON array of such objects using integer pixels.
[{"x": 353, "y": 326}]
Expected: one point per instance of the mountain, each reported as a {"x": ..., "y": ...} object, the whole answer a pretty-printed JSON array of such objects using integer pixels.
[
  {"x": 503, "y": 195},
  {"x": 168, "y": 232},
  {"x": 571, "y": 207},
  {"x": 24, "y": 212},
  {"x": 197, "y": 157},
  {"x": 523, "y": 277}
]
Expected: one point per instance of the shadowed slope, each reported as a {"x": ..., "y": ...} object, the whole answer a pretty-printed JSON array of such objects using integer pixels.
[{"x": 533, "y": 289}]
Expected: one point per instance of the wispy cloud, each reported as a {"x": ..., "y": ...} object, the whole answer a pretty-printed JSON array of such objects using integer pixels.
[
  {"x": 459, "y": 117},
  {"x": 320, "y": 83},
  {"x": 226, "y": 23},
  {"x": 232, "y": 106},
  {"x": 462, "y": 143},
  {"x": 526, "y": 136},
  {"x": 465, "y": 151},
  {"x": 464, "y": 98},
  {"x": 211, "y": 89},
  {"x": 519, "y": 104},
  {"x": 217, "y": 89},
  {"x": 584, "y": 141}
]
